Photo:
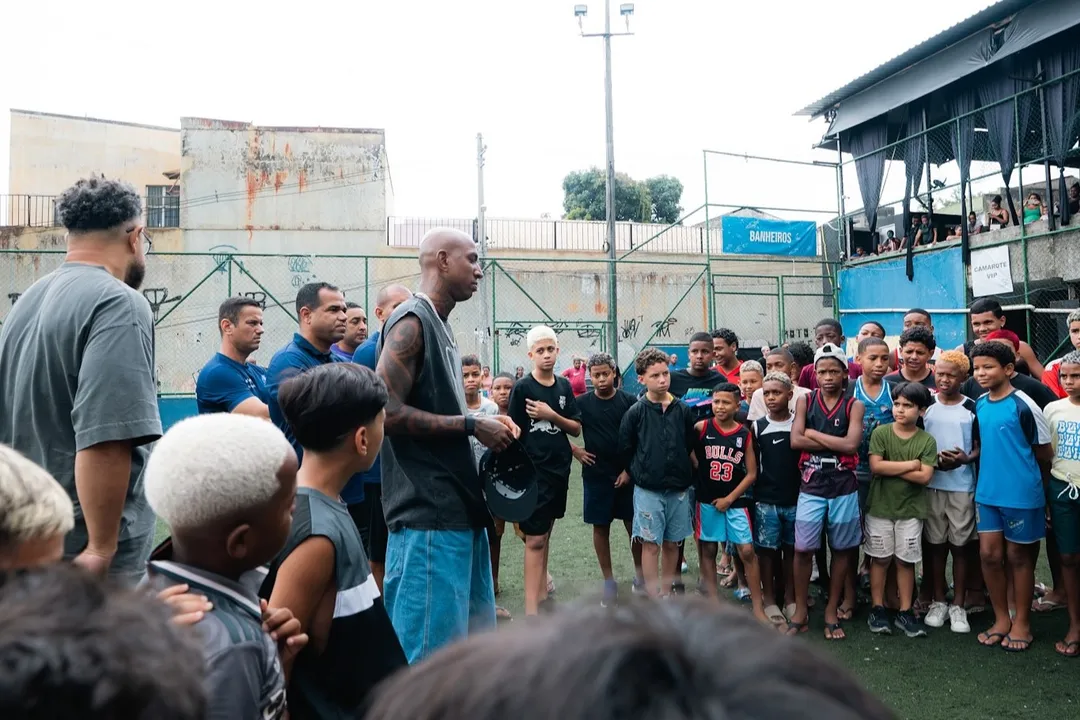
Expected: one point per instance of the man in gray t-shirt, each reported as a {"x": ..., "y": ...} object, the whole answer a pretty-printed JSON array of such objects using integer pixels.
[{"x": 77, "y": 388}]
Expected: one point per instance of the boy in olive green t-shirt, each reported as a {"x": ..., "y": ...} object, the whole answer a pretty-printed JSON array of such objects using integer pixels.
[{"x": 902, "y": 462}]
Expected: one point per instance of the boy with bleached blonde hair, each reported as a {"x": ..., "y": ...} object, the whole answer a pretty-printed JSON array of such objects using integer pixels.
[
  {"x": 542, "y": 405},
  {"x": 35, "y": 513}
]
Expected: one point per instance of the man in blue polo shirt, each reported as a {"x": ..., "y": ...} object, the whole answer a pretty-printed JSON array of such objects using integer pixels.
[
  {"x": 356, "y": 332},
  {"x": 228, "y": 382},
  {"x": 368, "y": 515},
  {"x": 321, "y": 310}
]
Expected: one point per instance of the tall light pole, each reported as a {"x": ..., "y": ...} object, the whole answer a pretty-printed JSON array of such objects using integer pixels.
[
  {"x": 626, "y": 10},
  {"x": 481, "y": 238}
]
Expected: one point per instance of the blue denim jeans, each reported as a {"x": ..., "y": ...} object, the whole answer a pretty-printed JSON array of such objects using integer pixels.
[{"x": 437, "y": 588}]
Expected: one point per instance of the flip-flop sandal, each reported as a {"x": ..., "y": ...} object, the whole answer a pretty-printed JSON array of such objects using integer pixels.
[
  {"x": 844, "y": 613},
  {"x": 1040, "y": 589},
  {"x": 789, "y": 610},
  {"x": 797, "y": 628},
  {"x": 974, "y": 609},
  {"x": 1043, "y": 604},
  {"x": 995, "y": 637},
  {"x": 775, "y": 616},
  {"x": 830, "y": 632},
  {"x": 1072, "y": 649},
  {"x": 1024, "y": 644},
  {"x": 502, "y": 613}
]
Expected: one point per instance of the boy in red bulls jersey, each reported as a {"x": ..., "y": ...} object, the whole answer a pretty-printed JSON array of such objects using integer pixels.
[
  {"x": 827, "y": 429},
  {"x": 727, "y": 468}
]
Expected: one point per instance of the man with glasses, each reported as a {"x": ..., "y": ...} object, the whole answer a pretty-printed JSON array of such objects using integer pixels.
[{"x": 77, "y": 388}]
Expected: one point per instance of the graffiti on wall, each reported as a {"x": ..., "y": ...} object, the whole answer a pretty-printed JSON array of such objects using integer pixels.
[
  {"x": 158, "y": 298},
  {"x": 515, "y": 332},
  {"x": 301, "y": 270}
]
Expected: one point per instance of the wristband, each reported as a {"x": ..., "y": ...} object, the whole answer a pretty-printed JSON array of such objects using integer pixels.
[{"x": 470, "y": 425}]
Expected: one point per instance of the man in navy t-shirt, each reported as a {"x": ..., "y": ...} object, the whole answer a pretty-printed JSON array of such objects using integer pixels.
[{"x": 228, "y": 382}]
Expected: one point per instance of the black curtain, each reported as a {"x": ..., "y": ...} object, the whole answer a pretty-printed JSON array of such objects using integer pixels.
[
  {"x": 865, "y": 143},
  {"x": 963, "y": 144},
  {"x": 1062, "y": 105},
  {"x": 1001, "y": 126},
  {"x": 914, "y": 162}
]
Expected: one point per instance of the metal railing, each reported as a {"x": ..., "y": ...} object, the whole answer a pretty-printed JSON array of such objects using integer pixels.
[
  {"x": 28, "y": 211},
  {"x": 162, "y": 211},
  {"x": 557, "y": 235}
]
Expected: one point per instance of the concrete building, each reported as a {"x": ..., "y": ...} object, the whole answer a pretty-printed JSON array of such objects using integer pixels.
[
  {"x": 283, "y": 189},
  {"x": 48, "y": 152}
]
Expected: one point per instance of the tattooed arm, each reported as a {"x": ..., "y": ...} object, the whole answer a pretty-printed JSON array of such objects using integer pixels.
[{"x": 399, "y": 363}]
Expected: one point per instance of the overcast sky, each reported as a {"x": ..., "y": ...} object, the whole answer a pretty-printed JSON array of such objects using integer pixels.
[{"x": 696, "y": 74}]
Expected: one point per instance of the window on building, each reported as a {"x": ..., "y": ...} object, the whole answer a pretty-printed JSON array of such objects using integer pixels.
[{"x": 162, "y": 206}]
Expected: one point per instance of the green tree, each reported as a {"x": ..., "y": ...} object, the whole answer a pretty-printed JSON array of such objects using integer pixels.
[
  {"x": 584, "y": 197},
  {"x": 665, "y": 192}
]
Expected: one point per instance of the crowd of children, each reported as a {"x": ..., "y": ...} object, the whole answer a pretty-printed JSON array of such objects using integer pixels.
[{"x": 766, "y": 464}]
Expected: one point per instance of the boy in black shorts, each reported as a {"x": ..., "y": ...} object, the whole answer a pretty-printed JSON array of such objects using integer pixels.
[
  {"x": 336, "y": 412},
  {"x": 542, "y": 404},
  {"x": 501, "y": 386},
  {"x": 606, "y": 498}
]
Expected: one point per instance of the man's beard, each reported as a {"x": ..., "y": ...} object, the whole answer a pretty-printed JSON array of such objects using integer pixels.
[{"x": 134, "y": 275}]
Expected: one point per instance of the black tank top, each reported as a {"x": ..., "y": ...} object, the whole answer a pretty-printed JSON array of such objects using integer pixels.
[
  {"x": 722, "y": 462},
  {"x": 826, "y": 473}
]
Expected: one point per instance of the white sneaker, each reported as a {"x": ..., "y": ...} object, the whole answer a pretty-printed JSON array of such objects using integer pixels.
[
  {"x": 958, "y": 621},
  {"x": 935, "y": 616}
]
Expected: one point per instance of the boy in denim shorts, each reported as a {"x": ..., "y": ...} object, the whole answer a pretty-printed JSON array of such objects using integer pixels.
[
  {"x": 827, "y": 429},
  {"x": 657, "y": 434},
  {"x": 776, "y": 493}
]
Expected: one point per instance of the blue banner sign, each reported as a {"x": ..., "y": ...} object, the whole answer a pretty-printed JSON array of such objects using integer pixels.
[{"x": 755, "y": 236}]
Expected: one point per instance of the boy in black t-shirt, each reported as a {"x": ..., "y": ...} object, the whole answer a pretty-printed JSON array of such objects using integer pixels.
[
  {"x": 695, "y": 384},
  {"x": 917, "y": 346},
  {"x": 542, "y": 404},
  {"x": 776, "y": 495},
  {"x": 607, "y": 497}
]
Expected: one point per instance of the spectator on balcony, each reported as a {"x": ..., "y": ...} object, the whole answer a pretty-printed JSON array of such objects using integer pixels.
[
  {"x": 1034, "y": 209},
  {"x": 974, "y": 226},
  {"x": 888, "y": 244},
  {"x": 925, "y": 234},
  {"x": 1074, "y": 199},
  {"x": 997, "y": 215}
]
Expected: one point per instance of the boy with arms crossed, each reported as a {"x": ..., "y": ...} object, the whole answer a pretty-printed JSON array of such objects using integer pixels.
[
  {"x": 1063, "y": 416},
  {"x": 607, "y": 494},
  {"x": 656, "y": 437},
  {"x": 950, "y": 520},
  {"x": 828, "y": 430},
  {"x": 1009, "y": 500},
  {"x": 727, "y": 468},
  {"x": 902, "y": 460},
  {"x": 776, "y": 495},
  {"x": 543, "y": 406},
  {"x": 336, "y": 412}
]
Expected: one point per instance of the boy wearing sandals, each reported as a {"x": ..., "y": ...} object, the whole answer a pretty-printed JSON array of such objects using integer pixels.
[
  {"x": 902, "y": 461},
  {"x": 1063, "y": 416},
  {"x": 828, "y": 430}
]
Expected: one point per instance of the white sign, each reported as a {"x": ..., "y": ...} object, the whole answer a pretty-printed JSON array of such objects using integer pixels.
[{"x": 991, "y": 273}]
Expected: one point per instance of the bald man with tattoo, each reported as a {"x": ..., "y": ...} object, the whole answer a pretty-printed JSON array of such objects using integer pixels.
[{"x": 438, "y": 585}]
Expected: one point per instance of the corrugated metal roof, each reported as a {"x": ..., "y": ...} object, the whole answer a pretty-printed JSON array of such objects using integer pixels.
[{"x": 984, "y": 18}]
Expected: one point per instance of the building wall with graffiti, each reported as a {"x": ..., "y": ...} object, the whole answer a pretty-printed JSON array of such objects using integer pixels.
[{"x": 282, "y": 190}]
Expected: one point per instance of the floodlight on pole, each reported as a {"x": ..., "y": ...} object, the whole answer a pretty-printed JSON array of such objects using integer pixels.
[{"x": 626, "y": 10}]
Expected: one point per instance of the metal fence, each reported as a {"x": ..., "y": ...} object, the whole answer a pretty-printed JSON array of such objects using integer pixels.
[
  {"x": 161, "y": 211},
  {"x": 659, "y": 303}
]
